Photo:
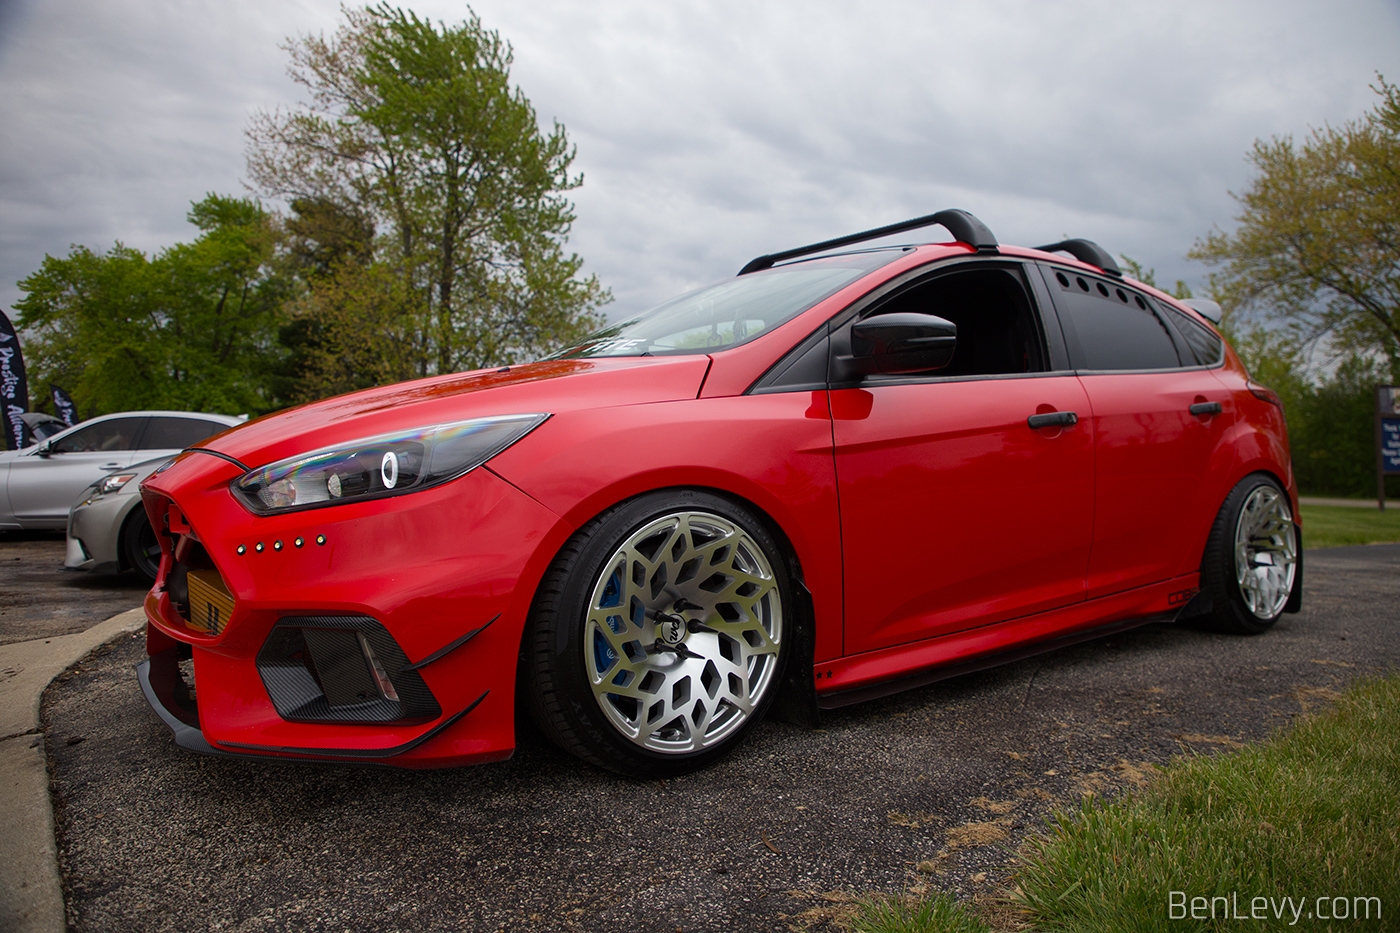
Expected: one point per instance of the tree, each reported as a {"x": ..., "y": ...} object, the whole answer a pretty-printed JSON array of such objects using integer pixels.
[
  {"x": 1318, "y": 241},
  {"x": 416, "y": 129},
  {"x": 189, "y": 328}
]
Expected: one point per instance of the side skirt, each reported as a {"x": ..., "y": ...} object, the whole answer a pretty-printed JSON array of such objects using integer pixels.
[{"x": 891, "y": 670}]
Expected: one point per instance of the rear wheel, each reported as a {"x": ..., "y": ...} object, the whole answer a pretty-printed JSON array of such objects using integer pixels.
[
  {"x": 658, "y": 636},
  {"x": 140, "y": 546},
  {"x": 1251, "y": 557}
]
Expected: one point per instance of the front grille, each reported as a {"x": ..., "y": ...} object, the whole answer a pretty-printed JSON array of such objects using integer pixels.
[{"x": 341, "y": 669}]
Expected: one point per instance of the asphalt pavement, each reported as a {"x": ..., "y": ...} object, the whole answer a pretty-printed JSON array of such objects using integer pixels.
[{"x": 931, "y": 788}]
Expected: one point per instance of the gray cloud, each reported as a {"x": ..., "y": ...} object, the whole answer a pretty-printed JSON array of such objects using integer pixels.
[{"x": 709, "y": 133}]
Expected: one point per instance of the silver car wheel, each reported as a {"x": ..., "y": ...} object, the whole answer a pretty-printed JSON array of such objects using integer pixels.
[
  {"x": 1266, "y": 552},
  {"x": 682, "y": 632}
]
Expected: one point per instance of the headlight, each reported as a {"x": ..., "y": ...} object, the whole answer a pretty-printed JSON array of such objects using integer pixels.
[
  {"x": 385, "y": 465},
  {"x": 110, "y": 484}
]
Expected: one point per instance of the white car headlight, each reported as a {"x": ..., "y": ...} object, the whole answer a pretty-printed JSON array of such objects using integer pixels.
[
  {"x": 114, "y": 483},
  {"x": 384, "y": 465}
]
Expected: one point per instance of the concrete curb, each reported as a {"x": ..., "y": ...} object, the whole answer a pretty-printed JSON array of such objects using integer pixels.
[
  {"x": 31, "y": 894},
  {"x": 1348, "y": 503}
]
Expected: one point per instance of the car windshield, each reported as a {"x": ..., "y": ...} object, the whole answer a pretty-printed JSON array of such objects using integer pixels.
[{"x": 731, "y": 312}]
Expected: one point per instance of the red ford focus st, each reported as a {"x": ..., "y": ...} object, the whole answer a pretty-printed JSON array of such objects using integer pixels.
[{"x": 823, "y": 480}]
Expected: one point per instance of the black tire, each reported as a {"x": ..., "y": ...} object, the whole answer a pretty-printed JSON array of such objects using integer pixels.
[
  {"x": 676, "y": 680},
  {"x": 1249, "y": 585},
  {"x": 140, "y": 548}
]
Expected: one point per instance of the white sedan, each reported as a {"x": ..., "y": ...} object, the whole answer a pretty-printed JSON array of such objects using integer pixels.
[{"x": 39, "y": 483}]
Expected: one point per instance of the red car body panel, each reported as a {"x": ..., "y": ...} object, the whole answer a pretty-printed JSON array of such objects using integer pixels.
[
  {"x": 1154, "y": 462},
  {"x": 917, "y": 464},
  {"x": 771, "y": 450},
  {"x": 930, "y": 524}
]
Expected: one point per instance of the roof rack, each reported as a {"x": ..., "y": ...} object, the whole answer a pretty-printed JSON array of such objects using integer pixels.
[
  {"x": 964, "y": 227},
  {"x": 1085, "y": 251}
]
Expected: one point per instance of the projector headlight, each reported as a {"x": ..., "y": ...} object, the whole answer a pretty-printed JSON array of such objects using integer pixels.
[{"x": 380, "y": 466}]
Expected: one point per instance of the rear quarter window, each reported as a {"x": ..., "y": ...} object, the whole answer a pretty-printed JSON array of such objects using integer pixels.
[
  {"x": 1110, "y": 327},
  {"x": 1206, "y": 346}
]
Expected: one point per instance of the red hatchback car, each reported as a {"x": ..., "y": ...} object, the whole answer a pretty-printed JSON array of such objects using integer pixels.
[{"x": 820, "y": 481}]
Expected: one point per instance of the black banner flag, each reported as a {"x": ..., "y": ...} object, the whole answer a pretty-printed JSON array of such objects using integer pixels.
[
  {"x": 14, "y": 391},
  {"x": 63, "y": 404}
]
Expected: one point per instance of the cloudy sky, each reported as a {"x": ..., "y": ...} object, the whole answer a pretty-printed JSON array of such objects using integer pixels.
[{"x": 709, "y": 132}]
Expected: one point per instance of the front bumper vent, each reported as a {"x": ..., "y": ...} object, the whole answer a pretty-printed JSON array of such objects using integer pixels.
[{"x": 341, "y": 669}]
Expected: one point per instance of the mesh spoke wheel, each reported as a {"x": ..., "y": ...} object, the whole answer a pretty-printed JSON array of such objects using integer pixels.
[
  {"x": 657, "y": 638},
  {"x": 1266, "y": 552},
  {"x": 682, "y": 632},
  {"x": 1252, "y": 558}
]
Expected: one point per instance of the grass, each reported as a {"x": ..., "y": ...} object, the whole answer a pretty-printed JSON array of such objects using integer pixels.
[
  {"x": 1310, "y": 813},
  {"x": 937, "y": 913},
  {"x": 1336, "y": 525}
]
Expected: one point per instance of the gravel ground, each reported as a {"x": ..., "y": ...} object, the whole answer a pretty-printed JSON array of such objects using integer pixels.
[
  {"x": 39, "y": 599},
  {"x": 929, "y": 788}
]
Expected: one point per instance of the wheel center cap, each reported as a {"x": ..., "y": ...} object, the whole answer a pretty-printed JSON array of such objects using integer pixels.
[{"x": 670, "y": 628}]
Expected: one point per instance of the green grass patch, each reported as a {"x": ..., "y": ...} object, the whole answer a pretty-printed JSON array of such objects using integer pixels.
[
  {"x": 1336, "y": 525},
  {"x": 937, "y": 913},
  {"x": 1313, "y": 813}
]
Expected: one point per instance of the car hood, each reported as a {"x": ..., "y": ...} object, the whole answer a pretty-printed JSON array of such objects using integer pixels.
[{"x": 550, "y": 386}]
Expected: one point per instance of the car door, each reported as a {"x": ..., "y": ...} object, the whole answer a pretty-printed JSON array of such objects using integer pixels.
[
  {"x": 1159, "y": 421},
  {"x": 955, "y": 511},
  {"x": 44, "y": 481}
]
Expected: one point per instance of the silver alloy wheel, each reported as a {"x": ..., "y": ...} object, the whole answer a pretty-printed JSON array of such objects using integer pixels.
[
  {"x": 1266, "y": 552},
  {"x": 682, "y": 632}
]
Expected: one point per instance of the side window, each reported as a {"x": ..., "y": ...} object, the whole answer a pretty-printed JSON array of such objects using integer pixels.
[
  {"x": 117, "y": 434},
  {"x": 178, "y": 433},
  {"x": 997, "y": 330},
  {"x": 1205, "y": 346},
  {"x": 1110, "y": 327}
]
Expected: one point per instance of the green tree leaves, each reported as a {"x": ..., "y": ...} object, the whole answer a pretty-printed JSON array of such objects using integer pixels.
[
  {"x": 1318, "y": 242},
  {"x": 185, "y": 329},
  {"x": 416, "y": 128},
  {"x": 427, "y": 234}
]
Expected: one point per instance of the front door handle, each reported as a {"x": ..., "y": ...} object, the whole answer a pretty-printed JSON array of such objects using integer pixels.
[
  {"x": 111, "y": 466},
  {"x": 1206, "y": 408},
  {"x": 1052, "y": 419}
]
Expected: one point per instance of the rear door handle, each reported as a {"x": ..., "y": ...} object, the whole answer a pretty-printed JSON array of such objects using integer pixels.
[
  {"x": 1206, "y": 408},
  {"x": 1052, "y": 418}
]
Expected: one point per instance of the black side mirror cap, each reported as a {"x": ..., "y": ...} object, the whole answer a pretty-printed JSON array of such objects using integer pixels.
[{"x": 904, "y": 342}]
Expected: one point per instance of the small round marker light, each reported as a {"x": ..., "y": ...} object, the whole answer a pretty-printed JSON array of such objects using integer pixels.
[
  {"x": 242, "y": 549},
  {"x": 277, "y": 545},
  {"x": 389, "y": 469},
  {"x": 299, "y": 541},
  {"x": 258, "y": 547},
  {"x": 320, "y": 539}
]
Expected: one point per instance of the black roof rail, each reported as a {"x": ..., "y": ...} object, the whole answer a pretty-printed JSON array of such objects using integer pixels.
[
  {"x": 1085, "y": 251},
  {"x": 964, "y": 227}
]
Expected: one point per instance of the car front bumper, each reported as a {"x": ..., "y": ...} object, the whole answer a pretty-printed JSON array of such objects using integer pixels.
[
  {"x": 376, "y": 632},
  {"x": 94, "y": 533}
]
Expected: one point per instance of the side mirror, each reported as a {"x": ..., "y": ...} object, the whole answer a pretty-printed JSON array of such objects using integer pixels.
[
  {"x": 44, "y": 449},
  {"x": 905, "y": 342}
]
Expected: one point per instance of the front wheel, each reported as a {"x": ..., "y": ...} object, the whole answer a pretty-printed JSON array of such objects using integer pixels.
[
  {"x": 658, "y": 636},
  {"x": 140, "y": 545},
  {"x": 1251, "y": 557}
]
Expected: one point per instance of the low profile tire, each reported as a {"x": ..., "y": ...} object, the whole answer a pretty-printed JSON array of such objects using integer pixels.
[
  {"x": 1251, "y": 558},
  {"x": 659, "y": 634},
  {"x": 140, "y": 547}
]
